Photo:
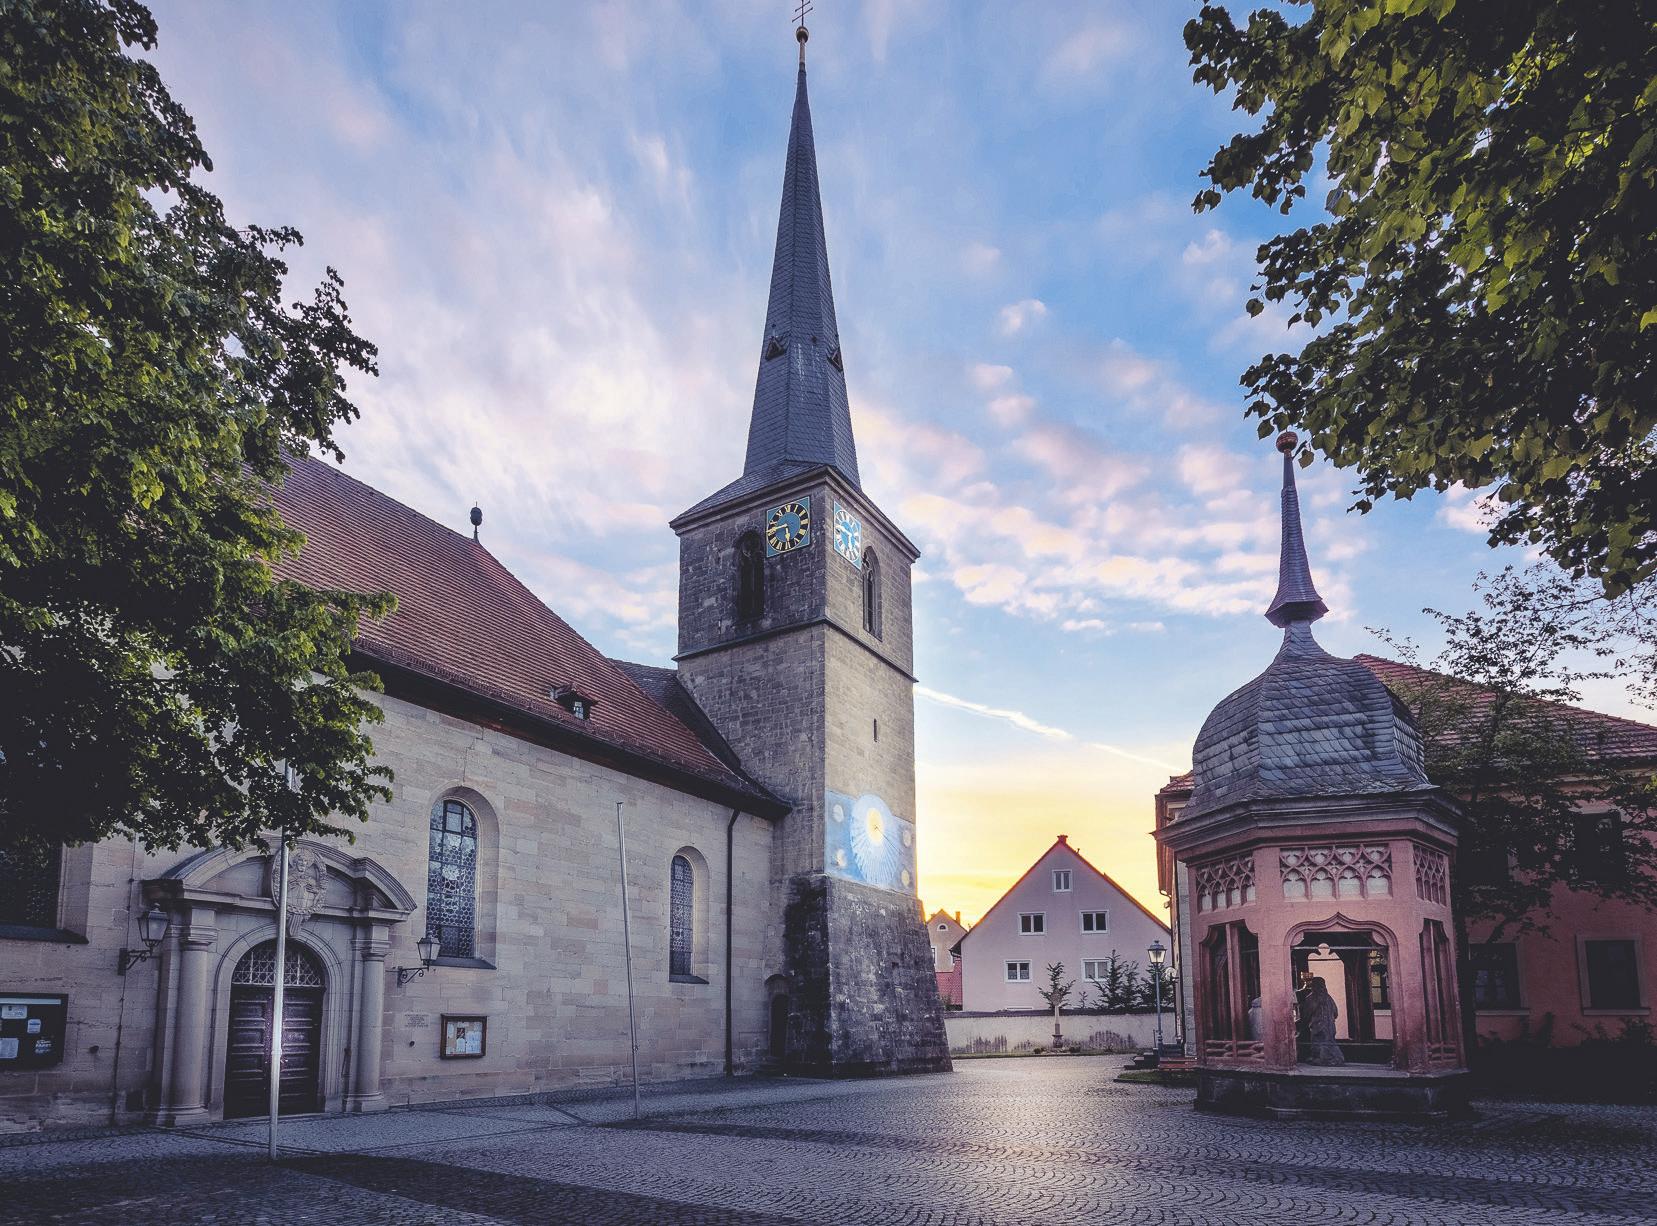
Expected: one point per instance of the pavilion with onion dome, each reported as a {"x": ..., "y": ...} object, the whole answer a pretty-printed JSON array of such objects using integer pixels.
[{"x": 1317, "y": 858}]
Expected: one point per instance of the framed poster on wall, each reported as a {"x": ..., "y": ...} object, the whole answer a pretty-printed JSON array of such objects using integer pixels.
[
  {"x": 464, "y": 1036},
  {"x": 31, "y": 1030}
]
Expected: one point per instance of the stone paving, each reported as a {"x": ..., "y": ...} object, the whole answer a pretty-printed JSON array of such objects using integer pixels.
[{"x": 999, "y": 1141}]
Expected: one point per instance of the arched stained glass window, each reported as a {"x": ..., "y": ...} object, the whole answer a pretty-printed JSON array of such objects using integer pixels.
[
  {"x": 681, "y": 917},
  {"x": 451, "y": 879},
  {"x": 750, "y": 577},
  {"x": 871, "y": 592},
  {"x": 29, "y": 883}
]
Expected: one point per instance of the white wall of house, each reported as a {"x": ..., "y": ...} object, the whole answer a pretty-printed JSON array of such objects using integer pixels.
[{"x": 1066, "y": 931}]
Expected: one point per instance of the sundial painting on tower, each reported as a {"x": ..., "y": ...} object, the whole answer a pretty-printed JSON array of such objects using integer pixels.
[
  {"x": 848, "y": 536},
  {"x": 863, "y": 840},
  {"x": 788, "y": 527}
]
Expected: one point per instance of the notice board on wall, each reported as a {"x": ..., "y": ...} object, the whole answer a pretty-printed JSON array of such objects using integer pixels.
[{"x": 31, "y": 1030}]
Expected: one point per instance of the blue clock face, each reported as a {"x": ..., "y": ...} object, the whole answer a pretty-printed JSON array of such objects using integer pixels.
[
  {"x": 848, "y": 536},
  {"x": 788, "y": 527}
]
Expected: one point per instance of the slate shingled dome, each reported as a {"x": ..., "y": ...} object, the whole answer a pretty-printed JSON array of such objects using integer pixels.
[{"x": 1312, "y": 724}]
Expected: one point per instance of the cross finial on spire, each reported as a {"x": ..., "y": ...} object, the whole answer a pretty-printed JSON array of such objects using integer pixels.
[
  {"x": 1297, "y": 598},
  {"x": 801, "y": 34}
]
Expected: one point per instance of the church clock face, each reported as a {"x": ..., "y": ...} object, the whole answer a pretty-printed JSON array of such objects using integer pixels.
[
  {"x": 788, "y": 527},
  {"x": 848, "y": 536}
]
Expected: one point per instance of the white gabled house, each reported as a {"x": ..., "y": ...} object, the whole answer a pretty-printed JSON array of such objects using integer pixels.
[{"x": 1062, "y": 909}]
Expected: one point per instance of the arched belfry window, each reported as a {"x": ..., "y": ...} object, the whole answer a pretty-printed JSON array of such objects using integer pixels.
[
  {"x": 871, "y": 592},
  {"x": 750, "y": 577},
  {"x": 452, "y": 879},
  {"x": 681, "y": 918},
  {"x": 29, "y": 883}
]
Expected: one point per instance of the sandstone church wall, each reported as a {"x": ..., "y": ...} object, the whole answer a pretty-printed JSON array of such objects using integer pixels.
[{"x": 549, "y": 922}]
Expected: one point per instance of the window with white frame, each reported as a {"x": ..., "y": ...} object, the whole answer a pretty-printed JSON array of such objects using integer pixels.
[
  {"x": 1032, "y": 923},
  {"x": 1093, "y": 970},
  {"x": 1095, "y": 921},
  {"x": 1018, "y": 972},
  {"x": 1061, "y": 880}
]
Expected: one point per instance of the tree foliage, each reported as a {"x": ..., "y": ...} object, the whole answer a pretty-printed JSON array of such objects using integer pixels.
[
  {"x": 1058, "y": 989},
  {"x": 1486, "y": 276},
  {"x": 157, "y": 675}
]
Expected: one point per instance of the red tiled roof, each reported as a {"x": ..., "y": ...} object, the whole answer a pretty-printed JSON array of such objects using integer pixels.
[
  {"x": 1600, "y": 737},
  {"x": 463, "y": 619}
]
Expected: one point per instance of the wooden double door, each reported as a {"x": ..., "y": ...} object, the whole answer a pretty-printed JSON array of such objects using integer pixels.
[{"x": 247, "y": 1052}]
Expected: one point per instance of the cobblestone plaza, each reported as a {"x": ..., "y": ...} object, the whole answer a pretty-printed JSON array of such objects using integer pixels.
[{"x": 1000, "y": 1141}]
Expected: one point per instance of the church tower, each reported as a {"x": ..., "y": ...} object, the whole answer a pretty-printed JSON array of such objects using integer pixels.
[{"x": 794, "y": 637}]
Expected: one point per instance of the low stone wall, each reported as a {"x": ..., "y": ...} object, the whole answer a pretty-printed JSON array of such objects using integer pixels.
[{"x": 1012, "y": 1031}]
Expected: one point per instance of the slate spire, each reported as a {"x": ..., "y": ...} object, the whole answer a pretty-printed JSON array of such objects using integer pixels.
[
  {"x": 801, "y": 414},
  {"x": 1297, "y": 598}
]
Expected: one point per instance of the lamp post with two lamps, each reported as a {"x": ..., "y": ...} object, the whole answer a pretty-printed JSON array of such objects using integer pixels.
[{"x": 1158, "y": 954}]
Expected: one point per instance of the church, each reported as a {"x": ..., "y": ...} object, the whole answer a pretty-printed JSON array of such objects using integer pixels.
[{"x": 469, "y": 942}]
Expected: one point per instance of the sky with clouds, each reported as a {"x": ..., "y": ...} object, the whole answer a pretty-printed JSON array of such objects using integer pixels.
[{"x": 556, "y": 220}]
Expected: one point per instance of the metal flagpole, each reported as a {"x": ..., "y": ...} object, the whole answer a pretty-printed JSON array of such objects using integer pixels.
[
  {"x": 627, "y": 940},
  {"x": 281, "y": 867}
]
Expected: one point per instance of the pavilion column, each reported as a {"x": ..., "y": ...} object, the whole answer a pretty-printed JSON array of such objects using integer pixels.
[
  {"x": 371, "y": 946},
  {"x": 1277, "y": 1000},
  {"x": 198, "y": 934}
]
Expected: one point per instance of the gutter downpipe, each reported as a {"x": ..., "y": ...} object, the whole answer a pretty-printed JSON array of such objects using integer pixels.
[{"x": 730, "y": 893}]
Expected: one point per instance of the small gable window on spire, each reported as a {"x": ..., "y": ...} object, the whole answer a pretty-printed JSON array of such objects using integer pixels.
[
  {"x": 750, "y": 577},
  {"x": 871, "y": 593}
]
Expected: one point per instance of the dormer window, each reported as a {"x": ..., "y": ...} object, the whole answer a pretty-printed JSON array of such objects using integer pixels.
[{"x": 573, "y": 701}]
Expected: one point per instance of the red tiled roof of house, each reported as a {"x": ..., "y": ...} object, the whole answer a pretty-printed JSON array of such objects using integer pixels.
[
  {"x": 1599, "y": 736},
  {"x": 464, "y": 620}
]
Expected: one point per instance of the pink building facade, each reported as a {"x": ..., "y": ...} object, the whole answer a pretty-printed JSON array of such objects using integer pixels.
[
  {"x": 1062, "y": 910},
  {"x": 944, "y": 930}
]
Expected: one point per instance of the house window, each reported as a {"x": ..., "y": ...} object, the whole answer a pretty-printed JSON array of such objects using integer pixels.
[
  {"x": 1095, "y": 921},
  {"x": 451, "y": 879},
  {"x": 681, "y": 919},
  {"x": 1093, "y": 970},
  {"x": 1495, "y": 976},
  {"x": 943, "y": 927},
  {"x": 1018, "y": 972},
  {"x": 1597, "y": 852},
  {"x": 871, "y": 593},
  {"x": 750, "y": 577},
  {"x": 1061, "y": 880},
  {"x": 1032, "y": 923},
  {"x": 29, "y": 883},
  {"x": 1613, "y": 974}
]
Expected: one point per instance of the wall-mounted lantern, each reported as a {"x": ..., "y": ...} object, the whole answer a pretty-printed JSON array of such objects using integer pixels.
[
  {"x": 429, "y": 949},
  {"x": 152, "y": 930}
]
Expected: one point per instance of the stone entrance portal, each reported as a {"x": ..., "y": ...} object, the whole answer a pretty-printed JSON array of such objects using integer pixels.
[{"x": 248, "y": 1043}]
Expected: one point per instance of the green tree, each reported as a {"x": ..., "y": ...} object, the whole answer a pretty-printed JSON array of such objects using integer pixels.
[
  {"x": 1485, "y": 276},
  {"x": 1546, "y": 800},
  {"x": 1119, "y": 986},
  {"x": 160, "y": 680},
  {"x": 1145, "y": 995}
]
